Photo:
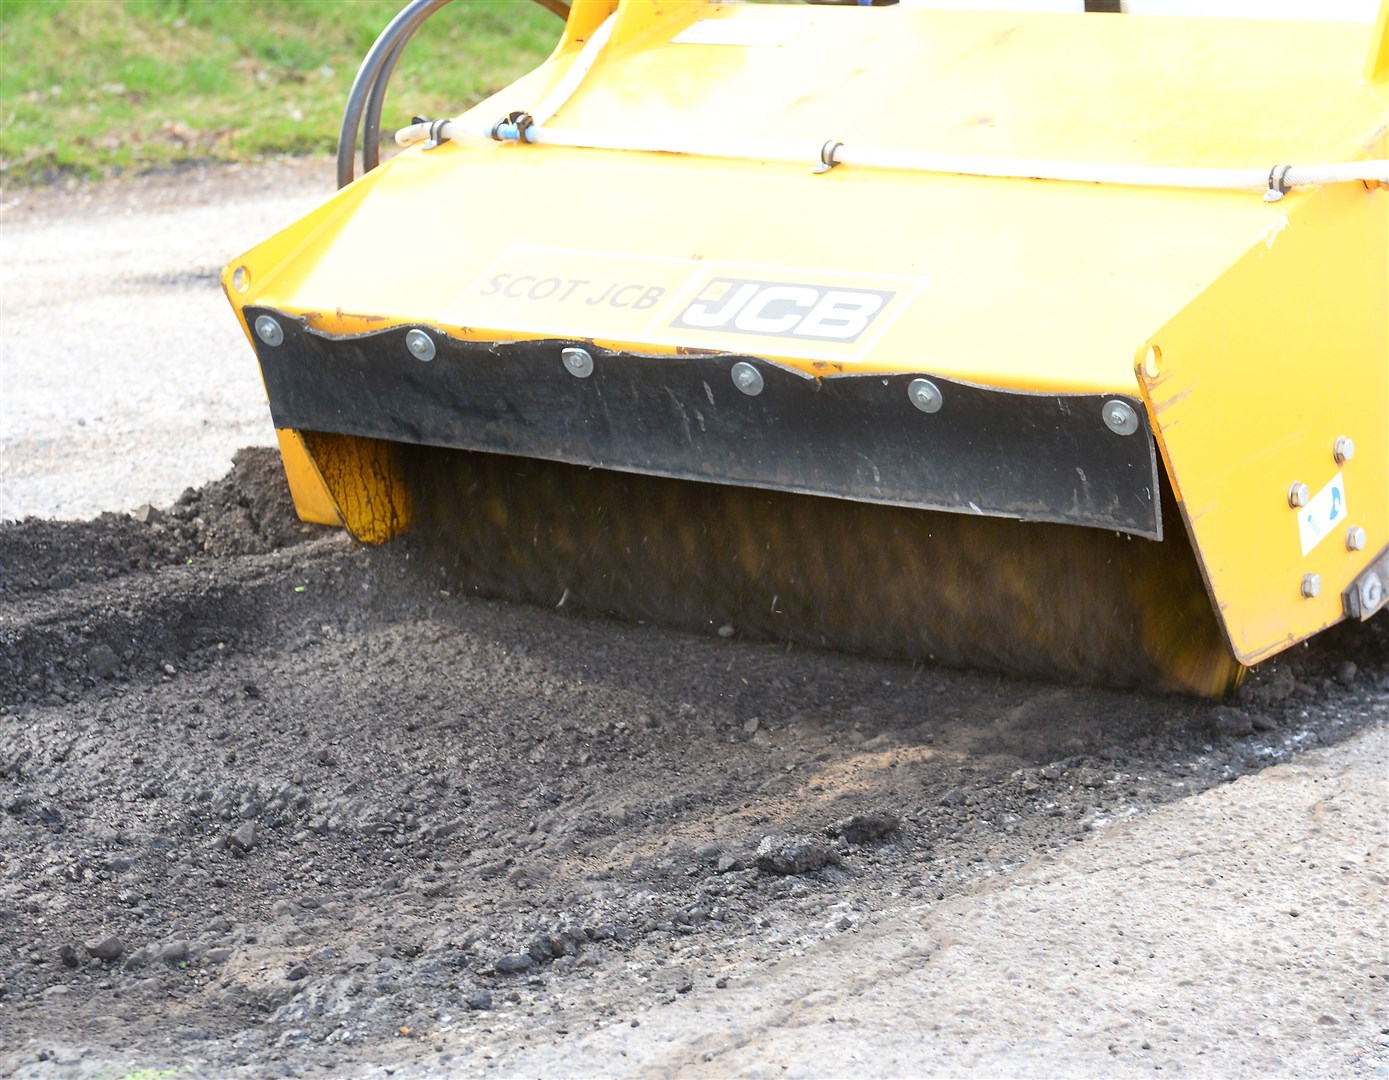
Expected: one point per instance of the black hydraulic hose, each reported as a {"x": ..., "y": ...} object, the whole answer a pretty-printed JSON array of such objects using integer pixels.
[
  {"x": 371, "y": 125},
  {"x": 397, "y": 30},
  {"x": 368, "y": 92}
]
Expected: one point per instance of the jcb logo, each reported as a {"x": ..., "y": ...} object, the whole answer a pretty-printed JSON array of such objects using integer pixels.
[{"x": 781, "y": 310}]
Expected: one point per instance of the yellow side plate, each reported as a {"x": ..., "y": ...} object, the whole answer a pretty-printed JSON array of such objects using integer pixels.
[{"x": 1251, "y": 387}]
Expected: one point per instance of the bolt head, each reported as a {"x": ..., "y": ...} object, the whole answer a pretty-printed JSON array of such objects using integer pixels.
[
  {"x": 420, "y": 344},
  {"x": 747, "y": 378},
  {"x": 1299, "y": 495},
  {"x": 1311, "y": 585},
  {"x": 1120, "y": 417},
  {"x": 1355, "y": 538},
  {"x": 925, "y": 395},
  {"x": 578, "y": 362},
  {"x": 269, "y": 331},
  {"x": 1344, "y": 450},
  {"x": 1371, "y": 594}
]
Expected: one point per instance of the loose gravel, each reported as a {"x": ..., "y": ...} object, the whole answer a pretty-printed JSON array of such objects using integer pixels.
[{"x": 275, "y": 804}]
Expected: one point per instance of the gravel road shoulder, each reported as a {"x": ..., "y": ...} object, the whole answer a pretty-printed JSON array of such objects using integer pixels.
[
  {"x": 125, "y": 376},
  {"x": 276, "y": 804}
]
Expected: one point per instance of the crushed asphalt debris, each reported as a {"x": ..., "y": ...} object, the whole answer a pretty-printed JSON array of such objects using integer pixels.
[
  {"x": 300, "y": 795},
  {"x": 793, "y": 854},
  {"x": 864, "y": 828}
]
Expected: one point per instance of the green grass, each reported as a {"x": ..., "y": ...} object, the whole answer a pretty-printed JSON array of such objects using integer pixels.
[{"x": 96, "y": 87}]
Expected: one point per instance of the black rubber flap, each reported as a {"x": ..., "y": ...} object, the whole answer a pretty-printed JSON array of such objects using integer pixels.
[{"x": 1030, "y": 456}]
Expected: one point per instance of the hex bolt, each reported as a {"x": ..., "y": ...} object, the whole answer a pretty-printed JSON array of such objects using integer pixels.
[
  {"x": 1355, "y": 538},
  {"x": 578, "y": 362},
  {"x": 420, "y": 344},
  {"x": 1371, "y": 594},
  {"x": 268, "y": 330},
  {"x": 1120, "y": 418},
  {"x": 1311, "y": 585},
  {"x": 1299, "y": 495},
  {"x": 925, "y": 395},
  {"x": 747, "y": 378},
  {"x": 1344, "y": 449}
]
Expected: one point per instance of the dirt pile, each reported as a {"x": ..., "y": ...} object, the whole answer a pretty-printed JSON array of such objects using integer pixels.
[
  {"x": 247, "y": 512},
  {"x": 99, "y": 571},
  {"x": 274, "y": 803}
]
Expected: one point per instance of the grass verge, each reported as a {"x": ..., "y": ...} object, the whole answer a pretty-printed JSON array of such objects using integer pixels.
[{"x": 96, "y": 87}]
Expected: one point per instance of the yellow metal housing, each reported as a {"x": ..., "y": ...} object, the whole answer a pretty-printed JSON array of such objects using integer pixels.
[{"x": 1258, "y": 328}]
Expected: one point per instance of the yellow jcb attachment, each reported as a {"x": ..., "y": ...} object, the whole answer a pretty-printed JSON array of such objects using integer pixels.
[{"x": 1049, "y": 343}]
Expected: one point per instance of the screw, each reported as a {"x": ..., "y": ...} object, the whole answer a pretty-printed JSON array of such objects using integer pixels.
[
  {"x": 747, "y": 378},
  {"x": 1344, "y": 450},
  {"x": 925, "y": 395},
  {"x": 1311, "y": 585},
  {"x": 1371, "y": 595},
  {"x": 1355, "y": 538},
  {"x": 268, "y": 330},
  {"x": 1120, "y": 417},
  {"x": 420, "y": 344},
  {"x": 1299, "y": 495},
  {"x": 579, "y": 362}
]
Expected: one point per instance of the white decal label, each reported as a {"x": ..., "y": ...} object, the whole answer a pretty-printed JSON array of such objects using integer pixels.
[
  {"x": 781, "y": 310},
  {"x": 1323, "y": 515},
  {"x": 825, "y": 315}
]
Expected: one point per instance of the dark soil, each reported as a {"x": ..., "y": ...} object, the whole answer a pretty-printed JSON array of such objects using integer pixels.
[
  {"x": 247, "y": 512},
  {"x": 272, "y": 803}
]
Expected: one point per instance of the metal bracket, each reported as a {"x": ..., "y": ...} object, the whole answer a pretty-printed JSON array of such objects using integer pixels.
[
  {"x": 521, "y": 121},
  {"x": 827, "y": 152},
  {"x": 1370, "y": 590},
  {"x": 436, "y": 135},
  {"x": 1277, "y": 183}
]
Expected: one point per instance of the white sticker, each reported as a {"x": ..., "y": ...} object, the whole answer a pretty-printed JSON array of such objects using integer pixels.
[
  {"x": 836, "y": 316},
  {"x": 1323, "y": 514},
  {"x": 748, "y": 33}
]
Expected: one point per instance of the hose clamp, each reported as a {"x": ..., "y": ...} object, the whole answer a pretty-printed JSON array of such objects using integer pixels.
[
  {"x": 1277, "y": 183},
  {"x": 522, "y": 122},
  {"x": 827, "y": 152},
  {"x": 436, "y": 134}
]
